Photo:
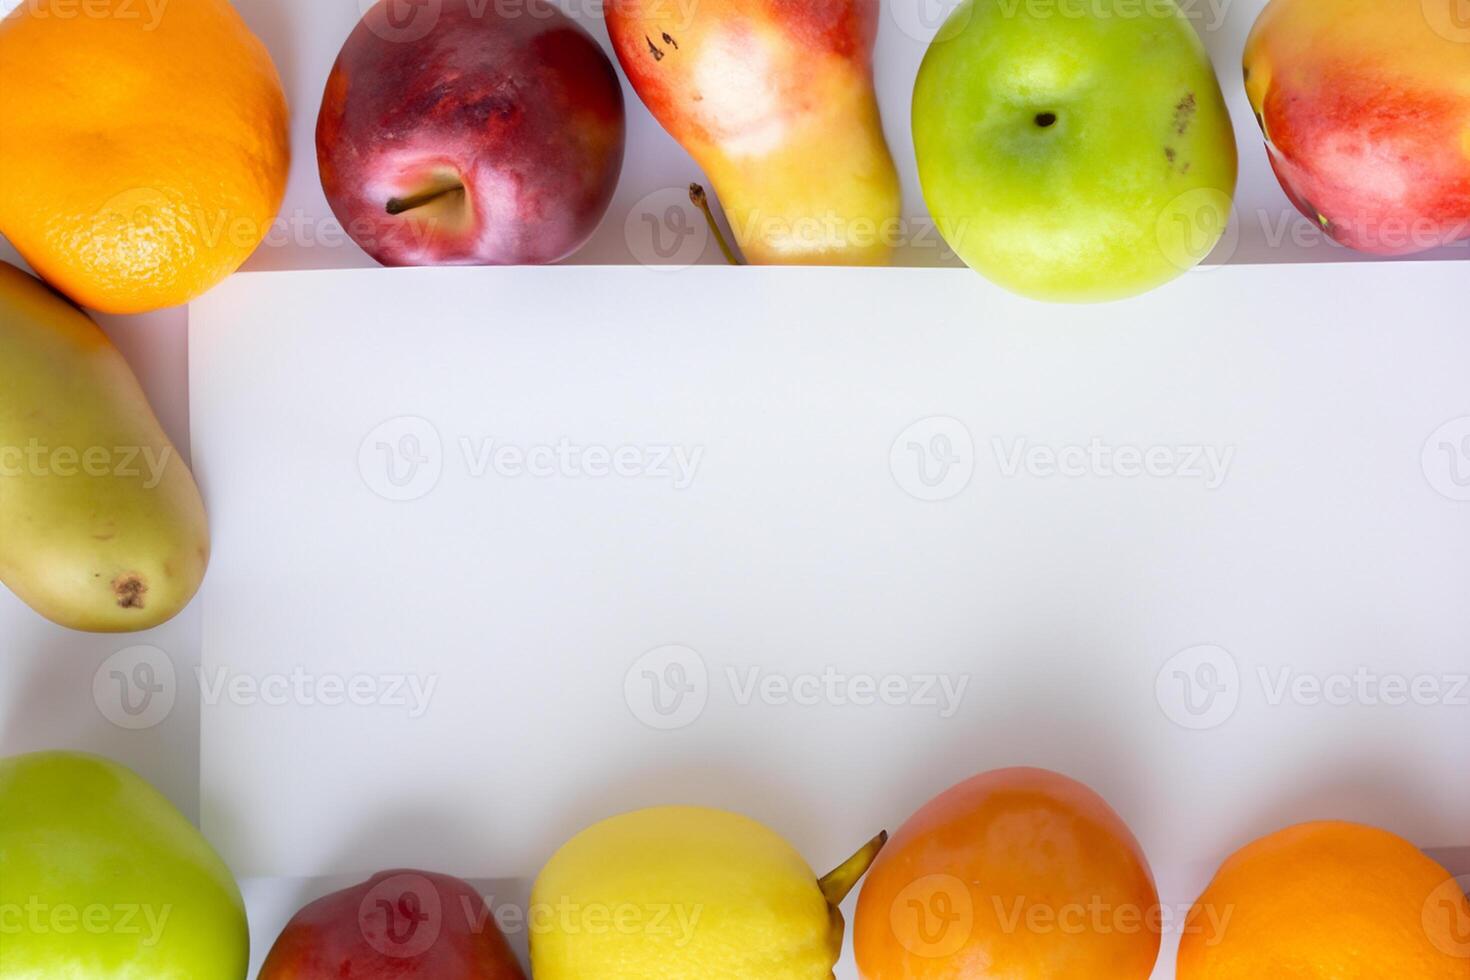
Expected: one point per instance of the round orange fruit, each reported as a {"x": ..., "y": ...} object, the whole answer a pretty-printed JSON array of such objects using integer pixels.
[
  {"x": 146, "y": 146},
  {"x": 1020, "y": 874},
  {"x": 1329, "y": 901}
]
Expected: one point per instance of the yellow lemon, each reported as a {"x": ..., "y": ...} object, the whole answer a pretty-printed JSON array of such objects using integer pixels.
[{"x": 684, "y": 893}]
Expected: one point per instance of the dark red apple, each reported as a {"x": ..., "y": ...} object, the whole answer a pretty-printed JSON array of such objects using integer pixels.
[
  {"x": 463, "y": 132},
  {"x": 400, "y": 924}
]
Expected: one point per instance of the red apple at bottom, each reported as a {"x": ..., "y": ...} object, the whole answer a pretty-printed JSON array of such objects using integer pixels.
[
  {"x": 470, "y": 133},
  {"x": 403, "y": 925}
]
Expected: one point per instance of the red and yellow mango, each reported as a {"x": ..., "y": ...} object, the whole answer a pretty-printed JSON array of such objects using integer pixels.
[{"x": 1365, "y": 105}]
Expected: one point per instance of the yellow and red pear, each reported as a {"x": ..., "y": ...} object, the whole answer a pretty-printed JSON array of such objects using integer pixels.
[{"x": 775, "y": 101}]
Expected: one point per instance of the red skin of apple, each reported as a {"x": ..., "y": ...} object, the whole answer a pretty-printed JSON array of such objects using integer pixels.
[
  {"x": 516, "y": 103},
  {"x": 397, "y": 924},
  {"x": 1366, "y": 112}
]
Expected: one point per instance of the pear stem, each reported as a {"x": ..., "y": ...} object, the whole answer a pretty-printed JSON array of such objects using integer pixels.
[
  {"x": 701, "y": 201},
  {"x": 399, "y": 205},
  {"x": 840, "y": 883}
]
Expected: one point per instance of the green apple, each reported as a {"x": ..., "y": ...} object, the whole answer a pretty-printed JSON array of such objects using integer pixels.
[
  {"x": 102, "y": 879},
  {"x": 1074, "y": 150}
]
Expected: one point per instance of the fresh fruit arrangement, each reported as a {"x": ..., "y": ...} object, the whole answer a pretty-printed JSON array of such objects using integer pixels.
[
  {"x": 1329, "y": 900},
  {"x": 775, "y": 101},
  {"x": 741, "y": 901},
  {"x": 1067, "y": 158},
  {"x": 100, "y": 877},
  {"x": 1363, "y": 105},
  {"x": 495, "y": 138},
  {"x": 1020, "y": 874},
  {"x": 143, "y": 162},
  {"x": 1074, "y": 158},
  {"x": 949, "y": 895},
  {"x": 400, "y": 924},
  {"x": 102, "y": 526}
]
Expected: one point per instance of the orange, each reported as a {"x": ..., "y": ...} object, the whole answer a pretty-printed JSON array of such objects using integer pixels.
[
  {"x": 145, "y": 146},
  {"x": 1329, "y": 901},
  {"x": 1020, "y": 874}
]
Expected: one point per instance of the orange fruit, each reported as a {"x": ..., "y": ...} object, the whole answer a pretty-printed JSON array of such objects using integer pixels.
[
  {"x": 145, "y": 146},
  {"x": 1329, "y": 901},
  {"x": 1020, "y": 874}
]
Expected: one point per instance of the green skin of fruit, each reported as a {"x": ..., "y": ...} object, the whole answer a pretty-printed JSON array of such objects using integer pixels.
[
  {"x": 101, "y": 878},
  {"x": 1074, "y": 152},
  {"x": 101, "y": 524}
]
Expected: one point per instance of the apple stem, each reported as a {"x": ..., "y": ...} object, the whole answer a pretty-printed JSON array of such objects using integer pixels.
[
  {"x": 399, "y": 205},
  {"x": 840, "y": 883},
  {"x": 701, "y": 201}
]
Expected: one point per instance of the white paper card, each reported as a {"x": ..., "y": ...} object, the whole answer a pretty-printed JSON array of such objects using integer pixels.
[{"x": 503, "y": 552}]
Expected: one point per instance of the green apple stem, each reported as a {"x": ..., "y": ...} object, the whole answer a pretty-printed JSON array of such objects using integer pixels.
[
  {"x": 701, "y": 201},
  {"x": 840, "y": 883},
  {"x": 399, "y": 205}
]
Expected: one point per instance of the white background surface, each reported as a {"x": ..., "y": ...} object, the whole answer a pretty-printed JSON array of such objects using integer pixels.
[{"x": 46, "y": 697}]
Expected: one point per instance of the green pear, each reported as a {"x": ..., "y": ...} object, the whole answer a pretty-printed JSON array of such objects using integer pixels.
[
  {"x": 102, "y": 878},
  {"x": 101, "y": 525},
  {"x": 1074, "y": 152}
]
